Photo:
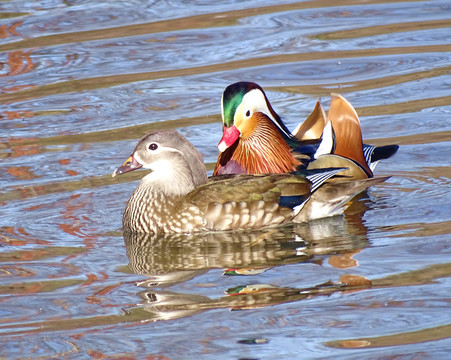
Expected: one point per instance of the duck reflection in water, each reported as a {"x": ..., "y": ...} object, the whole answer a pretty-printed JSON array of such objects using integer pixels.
[{"x": 172, "y": 259}]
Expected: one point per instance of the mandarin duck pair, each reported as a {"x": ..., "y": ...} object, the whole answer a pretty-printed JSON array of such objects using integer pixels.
[{"x": 265, "y": 176}]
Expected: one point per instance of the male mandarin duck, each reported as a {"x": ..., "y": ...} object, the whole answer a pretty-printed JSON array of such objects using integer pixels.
[
  {"x": 256, "y": 141},
  {"x": 177, "y": 197}
]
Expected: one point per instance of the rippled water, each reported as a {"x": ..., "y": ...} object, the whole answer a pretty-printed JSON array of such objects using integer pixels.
[{"x": 81, "y": 81}]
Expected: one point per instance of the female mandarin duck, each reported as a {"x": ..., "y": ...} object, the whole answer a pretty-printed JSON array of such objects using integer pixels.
[
  {"x": 256, "y": 141},
  {"x": 177, "y": 197}
]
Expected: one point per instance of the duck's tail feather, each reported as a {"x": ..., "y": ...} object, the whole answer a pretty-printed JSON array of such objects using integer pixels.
[
  {"x": 332, "y": 198},
  {"x": 374, "y": 154},
  {"x": 317, "y": 177}
]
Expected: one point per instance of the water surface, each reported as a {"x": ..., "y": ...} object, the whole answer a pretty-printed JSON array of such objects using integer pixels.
[{"x": 81, "y": 81}]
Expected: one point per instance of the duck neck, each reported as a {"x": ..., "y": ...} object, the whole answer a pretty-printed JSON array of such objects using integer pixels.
[
  {"x": 170, "y": 178},
  {"x": 157, "y": 197}
]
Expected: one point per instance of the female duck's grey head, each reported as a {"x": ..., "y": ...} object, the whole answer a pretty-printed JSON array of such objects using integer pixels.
[{"x": 169, "y": 155}]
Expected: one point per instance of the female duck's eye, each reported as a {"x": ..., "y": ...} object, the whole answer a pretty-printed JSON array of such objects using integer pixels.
[
  {"x": 153, "y": 146},
  {"x": 248, "y": 113}
]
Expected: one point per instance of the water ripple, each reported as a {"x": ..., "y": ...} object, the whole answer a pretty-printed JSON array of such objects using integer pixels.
[{"x": 82, "y": 80}]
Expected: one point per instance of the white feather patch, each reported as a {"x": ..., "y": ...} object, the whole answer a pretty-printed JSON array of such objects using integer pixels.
[
  {"x": 255, "y": 101},
  {"x": 325, "y": 147}
]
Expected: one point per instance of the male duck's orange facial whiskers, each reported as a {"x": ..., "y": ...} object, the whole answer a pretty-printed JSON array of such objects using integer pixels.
[
  {"x": 246, "y": 123},
  {"x": 264, "y": 150}
]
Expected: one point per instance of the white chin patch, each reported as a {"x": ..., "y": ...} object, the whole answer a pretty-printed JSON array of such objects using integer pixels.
[
  {"x": 161, "y": 170},
  {"x": 325, "y": 147},
  {"x": 137, "y": 158},
  {"x": 222, "y": 146}
]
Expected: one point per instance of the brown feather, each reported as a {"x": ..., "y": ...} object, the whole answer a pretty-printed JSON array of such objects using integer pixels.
[
  {"x": 263, "y": 151},
  {"x": 348, "y": 134},
  {"x": 312, "y": 127}
]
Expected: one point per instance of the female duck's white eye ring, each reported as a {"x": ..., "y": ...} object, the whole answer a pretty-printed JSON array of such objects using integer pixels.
[{"x": 153, "y": 146}]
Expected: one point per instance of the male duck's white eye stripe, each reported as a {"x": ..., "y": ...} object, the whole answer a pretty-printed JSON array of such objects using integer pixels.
[{"x": 257, "y": 101}]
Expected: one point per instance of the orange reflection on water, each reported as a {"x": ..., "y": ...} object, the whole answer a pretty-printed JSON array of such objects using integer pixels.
[
  {"x": 19, "y": 237},
  {"x": 7, "y": 31},
  {"x": 19, "y": 62},
  {"x": 11, "y": 115},
  {"x": 344, "y": 261},
  {"x": 17, "y": 147},
  {"x": 75, "y": 208},
  {"x": 22, "y": 172}
]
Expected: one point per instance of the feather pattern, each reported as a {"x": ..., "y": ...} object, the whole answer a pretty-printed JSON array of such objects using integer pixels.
[
  {"x": 231, "y": 202},
  {"x": 347, "y": 133},
  {"x": 262, "y": 151},
  {"x": 341, "y": 136}
]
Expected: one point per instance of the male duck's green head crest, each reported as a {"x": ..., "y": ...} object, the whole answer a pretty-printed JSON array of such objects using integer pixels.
[
  {"x": 232, "y": 98},
  {"x": 234, "y": 95}
]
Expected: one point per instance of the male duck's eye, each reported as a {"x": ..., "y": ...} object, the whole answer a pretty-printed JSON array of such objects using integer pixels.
[
  {"x": 248, "y": 113},
  {"x": 153, "y": 146}
]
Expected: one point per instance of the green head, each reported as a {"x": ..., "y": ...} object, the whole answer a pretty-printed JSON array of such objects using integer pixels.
[
  {"x": 238, "y": 104},
  {"x": 232, "y": 97}
]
